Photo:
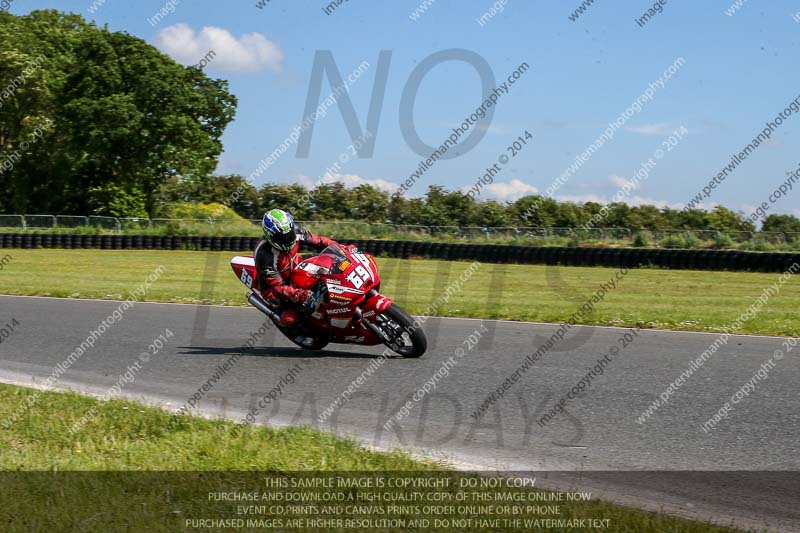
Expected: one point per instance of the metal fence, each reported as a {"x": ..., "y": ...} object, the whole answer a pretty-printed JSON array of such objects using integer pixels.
[{"x": 665, "y": 238}]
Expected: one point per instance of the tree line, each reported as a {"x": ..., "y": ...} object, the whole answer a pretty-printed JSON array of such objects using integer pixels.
[{"x": 442, "y": 207}]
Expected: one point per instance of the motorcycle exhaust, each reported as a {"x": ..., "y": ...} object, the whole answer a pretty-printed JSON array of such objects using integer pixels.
[{"x": 261, "y": 306}]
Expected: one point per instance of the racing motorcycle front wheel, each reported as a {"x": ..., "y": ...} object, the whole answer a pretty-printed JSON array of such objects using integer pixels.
[{"x": 403, "y": 337}]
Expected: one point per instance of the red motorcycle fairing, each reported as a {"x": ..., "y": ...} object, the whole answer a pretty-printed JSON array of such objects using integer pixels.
[{"x": 352, "y": 283}]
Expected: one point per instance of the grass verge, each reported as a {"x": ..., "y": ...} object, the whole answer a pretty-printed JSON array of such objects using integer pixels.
[
  {"x": 651, "y": 298},
  {"x": 129, "y": 437}
]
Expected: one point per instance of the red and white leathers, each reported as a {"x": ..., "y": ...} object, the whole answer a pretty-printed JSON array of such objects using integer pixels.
[{"x": 274, "y": 269}]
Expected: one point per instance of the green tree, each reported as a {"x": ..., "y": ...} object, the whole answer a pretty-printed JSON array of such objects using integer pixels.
[
  {"x": 689, "y": 219},
  {"x": 492, "y": 214},
  {"x": 619, "y": 216},
  {"x": 568, "y": 215},
  {"x": 124, "y": 116},
  {"x": 367, "y": 203},
  {"x": 329, "y": 201},
  {"x": 294, "y": 198},
  {"x": 723, "y": 219},
  {"x": 534, "y": 211},
  {"x": 784, "y": 223},
  {"x": 647, "y": 217}
]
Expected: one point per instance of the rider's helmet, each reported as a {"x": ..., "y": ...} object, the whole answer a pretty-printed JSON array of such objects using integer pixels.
[{"x": 279, "y": 229}]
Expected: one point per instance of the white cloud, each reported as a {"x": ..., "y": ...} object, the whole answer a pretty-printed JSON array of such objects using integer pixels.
[
  {"x": 251, "y": 52},
  {"x": 661, "y": 128},
  {"x": 621, "y": 182},
  {"x": 643, "y": 200},
  {"x": 582, "y": 198},
  {"x": 506, "y": 191},
  {"x": 631, "y": 200},
  {"x": 349, "y": 180}
]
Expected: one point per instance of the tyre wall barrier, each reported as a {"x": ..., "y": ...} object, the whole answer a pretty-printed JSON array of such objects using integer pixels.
[{"x": 488, "y": 253}]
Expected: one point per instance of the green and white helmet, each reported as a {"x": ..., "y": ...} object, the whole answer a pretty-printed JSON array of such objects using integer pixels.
[{"x": 279, "y": 229}]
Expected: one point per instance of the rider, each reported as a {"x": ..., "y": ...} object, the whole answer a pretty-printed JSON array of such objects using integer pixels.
[{"x": 276, "y": 256}]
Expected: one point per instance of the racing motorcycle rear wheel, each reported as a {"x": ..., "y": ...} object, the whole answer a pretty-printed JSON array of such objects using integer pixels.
[{"x": 398, "y": 326}]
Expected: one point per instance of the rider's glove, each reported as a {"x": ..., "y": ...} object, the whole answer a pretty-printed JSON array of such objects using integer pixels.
[
  {"x": 314, "y": 297},
  {"x": 310, "y": 301}
]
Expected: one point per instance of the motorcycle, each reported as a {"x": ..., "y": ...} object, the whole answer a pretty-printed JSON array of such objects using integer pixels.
[{"x": 350, "y": 309}]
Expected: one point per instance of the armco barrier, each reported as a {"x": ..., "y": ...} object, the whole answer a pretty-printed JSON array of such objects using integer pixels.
[{"x": 489, "y": 253}]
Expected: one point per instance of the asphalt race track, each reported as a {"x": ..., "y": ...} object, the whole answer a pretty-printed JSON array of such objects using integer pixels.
[{"x": 746, "y": 469}]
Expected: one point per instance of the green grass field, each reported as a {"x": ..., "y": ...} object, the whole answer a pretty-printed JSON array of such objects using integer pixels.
[
  {"x": 126, "y": 436},
  {"x": 652, "y": 298}
]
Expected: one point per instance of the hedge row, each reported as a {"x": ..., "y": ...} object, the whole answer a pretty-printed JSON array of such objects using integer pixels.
[{"x": 491, "y": 253}]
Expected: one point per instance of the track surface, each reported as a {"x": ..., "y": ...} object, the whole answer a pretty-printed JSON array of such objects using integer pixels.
[{"x": 599, "y": 432}]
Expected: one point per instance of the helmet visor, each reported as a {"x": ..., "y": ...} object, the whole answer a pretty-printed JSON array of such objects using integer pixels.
[{"x": 284, "y": 241}]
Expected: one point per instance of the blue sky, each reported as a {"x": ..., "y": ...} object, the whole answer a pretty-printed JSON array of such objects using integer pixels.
[{"x": 739, "y": 72}]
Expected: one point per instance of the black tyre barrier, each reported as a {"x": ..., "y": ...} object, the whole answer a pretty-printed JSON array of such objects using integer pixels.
[
  {"x": 412, "y": 249},
  {"x": 424, "y": 249},
  {"x": 376, "y": 248},
  {"x": 733, "y": 260},
  {"x": 402, "y": 249}
]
